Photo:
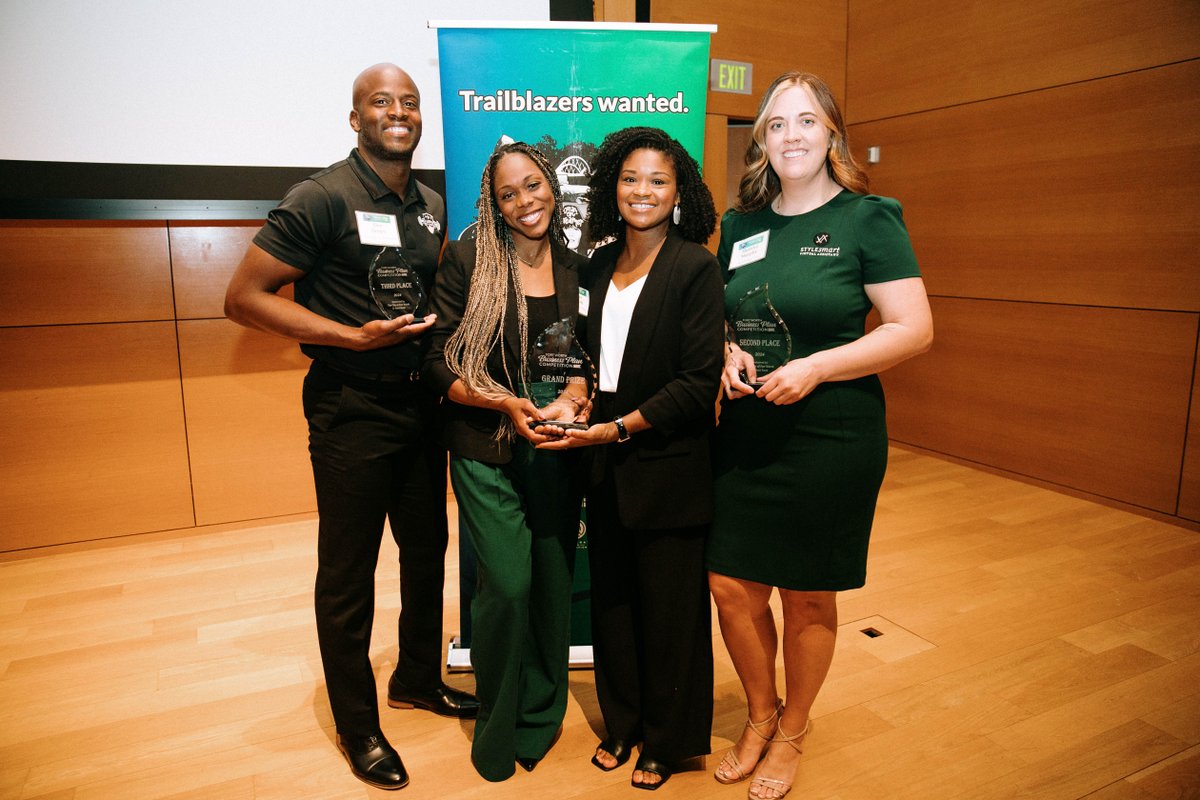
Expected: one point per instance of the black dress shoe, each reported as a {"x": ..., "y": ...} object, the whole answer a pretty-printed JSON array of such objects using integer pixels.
[
  {"x": 528, "y": 764},
  {"x": 617, "y": 748},
  {"x": 647, "y": 764},
  {"x": 440, "y": 700},
  {"x": 373, "y": 761}
]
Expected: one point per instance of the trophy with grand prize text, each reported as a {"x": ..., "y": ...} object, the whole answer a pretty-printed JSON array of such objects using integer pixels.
[
  {"x": 758, "y": 329},
  {"x": 395, "y": 285},
  {"x": 559, "y": 367}
]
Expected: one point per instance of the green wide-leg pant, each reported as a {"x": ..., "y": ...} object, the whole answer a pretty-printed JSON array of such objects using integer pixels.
[{"x": 522, "y": 519}]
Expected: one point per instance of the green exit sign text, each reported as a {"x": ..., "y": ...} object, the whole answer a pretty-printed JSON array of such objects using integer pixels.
[{"x": 730, "y": 76}]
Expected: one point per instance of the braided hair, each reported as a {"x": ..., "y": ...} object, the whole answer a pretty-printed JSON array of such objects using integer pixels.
[
  {"x": 482, "y": 326},
  {"x": 697, "y": 216}
]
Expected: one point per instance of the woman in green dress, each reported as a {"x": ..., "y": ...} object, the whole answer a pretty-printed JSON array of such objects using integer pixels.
[{"x": 802, "y": 446}]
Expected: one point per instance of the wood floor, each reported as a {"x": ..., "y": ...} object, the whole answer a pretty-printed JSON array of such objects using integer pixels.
[{"x": 1034, "y": 645}]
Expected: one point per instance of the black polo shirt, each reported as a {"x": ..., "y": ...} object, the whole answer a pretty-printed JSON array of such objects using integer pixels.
[{"x": 315, "y": 229}]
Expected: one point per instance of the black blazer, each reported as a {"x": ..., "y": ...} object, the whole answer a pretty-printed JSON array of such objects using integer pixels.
[
  {"x": 671, "y": 371},
  {"x": 469, "y": 431}
]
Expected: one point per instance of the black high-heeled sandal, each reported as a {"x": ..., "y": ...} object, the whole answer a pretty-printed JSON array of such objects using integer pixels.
[
  {"x": 617, "y": 748},
  {"x": 647, "y": 764}
]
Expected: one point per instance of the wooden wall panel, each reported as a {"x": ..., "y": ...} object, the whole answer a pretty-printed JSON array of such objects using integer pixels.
[
  {"x": 776, "y": 36},
  {"x": 1189, "y": 484},
  {"x": 1084, "y": 194},
  {"x": 614, "y": 10},
  {"x": 55, "y": 272},
  {"x": 203, "y": 257},
  {"x": 716, "y": 158},
  {"x": 246, "y": 431},
  {"x": 738, "y": 139},
  {"x": 905, "y": 56},
  {"x": 1091, "y": 398},
  {"x": 91, "y": 433}
]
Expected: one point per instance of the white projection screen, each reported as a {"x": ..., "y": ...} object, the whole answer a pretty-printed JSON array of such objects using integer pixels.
[{"x": 252, "y": 83}]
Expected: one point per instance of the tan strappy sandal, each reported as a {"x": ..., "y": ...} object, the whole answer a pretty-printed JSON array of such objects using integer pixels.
[
  {"x": 731, "y": 764},
  {"x": 781, "y": 788}
]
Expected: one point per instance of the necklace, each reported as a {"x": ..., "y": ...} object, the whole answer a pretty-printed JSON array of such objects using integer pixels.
[{"x": 536, "y": 258}]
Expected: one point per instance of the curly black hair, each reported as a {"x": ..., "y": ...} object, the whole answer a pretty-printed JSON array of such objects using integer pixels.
[{"x": 697, "y": 215}]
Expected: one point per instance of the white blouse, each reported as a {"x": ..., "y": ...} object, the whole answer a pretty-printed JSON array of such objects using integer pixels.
[{"x": 618, "y": 311}]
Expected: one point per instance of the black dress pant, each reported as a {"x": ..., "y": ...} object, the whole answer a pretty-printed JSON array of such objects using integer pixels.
[
  {"x": 375, "y": 455},
  {"x": 651, "y": 632}
]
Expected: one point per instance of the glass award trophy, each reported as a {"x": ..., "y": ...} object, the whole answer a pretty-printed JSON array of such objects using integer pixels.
[
  {"x": 758, "y": 329},
  {"x": 395, "y": 285},
  {"x": 559, "y": 365}
]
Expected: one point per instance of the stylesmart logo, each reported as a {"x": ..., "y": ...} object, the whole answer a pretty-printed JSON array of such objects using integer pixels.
[{"x": 821, "y": 247}]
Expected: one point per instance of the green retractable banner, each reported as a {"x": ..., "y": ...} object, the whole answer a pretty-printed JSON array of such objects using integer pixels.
[{"x": 561, "y": 87}]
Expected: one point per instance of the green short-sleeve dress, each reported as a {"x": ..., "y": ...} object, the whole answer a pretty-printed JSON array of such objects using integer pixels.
[{"x": 796, "y": 484}]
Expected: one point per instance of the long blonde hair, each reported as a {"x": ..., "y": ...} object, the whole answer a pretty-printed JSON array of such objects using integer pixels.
[
  {"x": 760, "y": 185},
  {"x": 482, "y": 327}
]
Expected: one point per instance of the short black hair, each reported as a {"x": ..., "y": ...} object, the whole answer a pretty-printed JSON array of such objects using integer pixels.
[{"x": 697, "y": 215}]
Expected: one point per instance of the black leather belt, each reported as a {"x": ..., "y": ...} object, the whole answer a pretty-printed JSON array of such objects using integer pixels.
[{"x": 412, "y": 376}]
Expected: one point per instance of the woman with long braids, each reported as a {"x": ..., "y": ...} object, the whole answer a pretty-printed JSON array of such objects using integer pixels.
[
  {"x": 518, "y": 506},
  {"x": 801, "y": 450},
  {"x": 656, "y": 327}
]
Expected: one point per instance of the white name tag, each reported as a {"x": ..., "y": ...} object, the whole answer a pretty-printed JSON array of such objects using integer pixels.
[
  {"x": 748, "y": 250},
  {"x": 378, "y": 229},
  {"x": 583, "y": 302}
]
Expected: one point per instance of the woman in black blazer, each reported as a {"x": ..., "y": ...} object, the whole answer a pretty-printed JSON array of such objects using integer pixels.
[
  {"x": 518, "y": 507},
  {"x": 655, "y": 327}
]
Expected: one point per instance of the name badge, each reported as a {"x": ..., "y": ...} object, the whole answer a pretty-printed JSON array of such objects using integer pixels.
[
  {"x": 378, "y": 229},
  {"x": 584, "y": 299},
  {"x": 748, "y": 250}
]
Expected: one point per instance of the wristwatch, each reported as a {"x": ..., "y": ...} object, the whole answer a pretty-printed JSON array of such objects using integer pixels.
[{"x": 622, "y": 434}]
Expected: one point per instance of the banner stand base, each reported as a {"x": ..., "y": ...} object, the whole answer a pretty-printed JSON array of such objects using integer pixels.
[{"x": 458, "y": 658}]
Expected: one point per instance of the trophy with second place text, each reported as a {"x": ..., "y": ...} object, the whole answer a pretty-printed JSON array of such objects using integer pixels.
[{"x": 758, "y": 329}]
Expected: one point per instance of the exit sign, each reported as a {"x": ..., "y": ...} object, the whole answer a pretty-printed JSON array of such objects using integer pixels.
[{"x": 730, "y": 76}]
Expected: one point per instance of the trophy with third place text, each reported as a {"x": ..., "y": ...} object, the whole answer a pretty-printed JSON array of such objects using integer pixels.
[{"x": 395, "y": 285}]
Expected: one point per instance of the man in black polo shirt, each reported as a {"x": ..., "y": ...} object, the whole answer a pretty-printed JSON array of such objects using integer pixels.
[{"x": 374, "y": 448}]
